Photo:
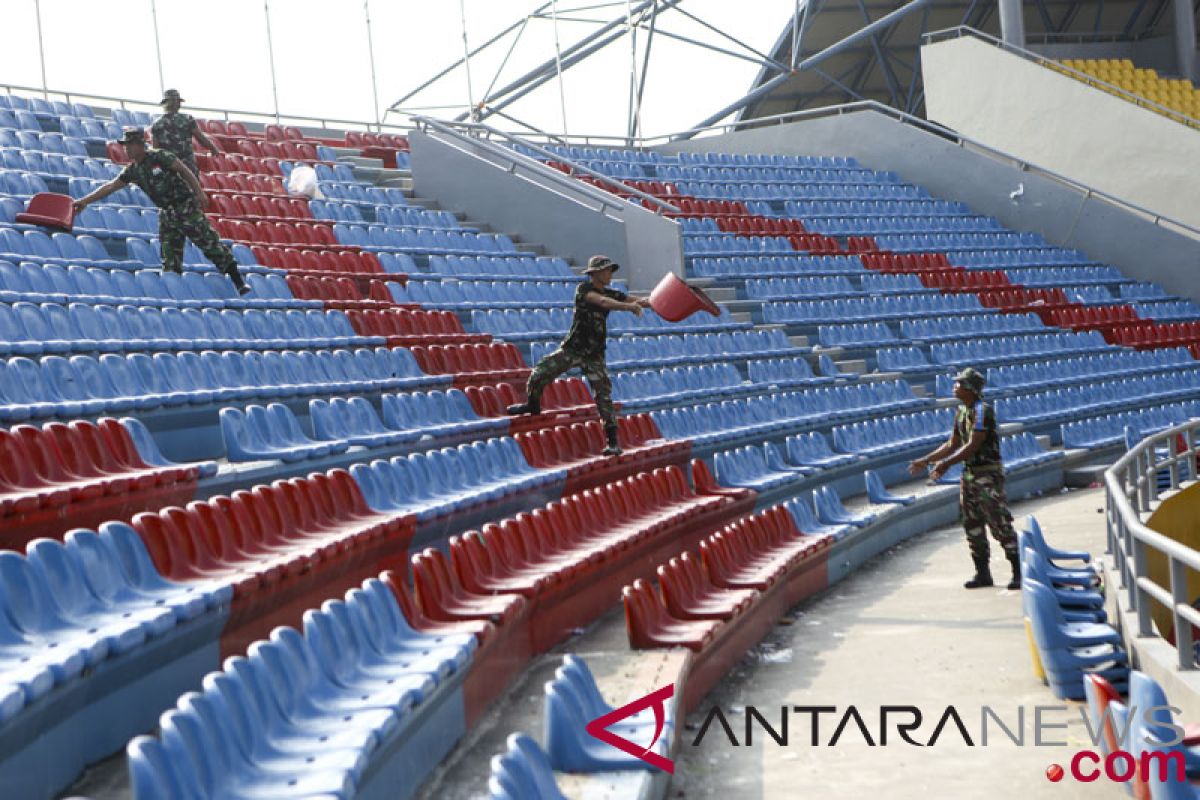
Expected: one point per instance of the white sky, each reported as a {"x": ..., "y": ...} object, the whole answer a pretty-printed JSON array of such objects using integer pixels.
[{"x": 215, "y": 52}]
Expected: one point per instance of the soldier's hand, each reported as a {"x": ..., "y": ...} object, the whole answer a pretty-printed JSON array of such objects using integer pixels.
[
  {"x": 636, "y": 310},
  {"x": 203, "y": 200},
  {"x": 937, "y": 472},
  {"x": 78, "y": 206},
  {"x": 917, "y": 467}
]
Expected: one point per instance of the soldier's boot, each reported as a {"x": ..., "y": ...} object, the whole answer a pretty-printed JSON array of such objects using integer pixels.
[
  {"x": 614, "y": 448},
  {"x": 239, "y": 283},
  {"x": 1014, "y": 558},
  {"x": 983, "y": 575},
  {"x": 532, "y": 406}
]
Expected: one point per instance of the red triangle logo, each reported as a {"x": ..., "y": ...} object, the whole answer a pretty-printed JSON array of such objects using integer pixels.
[{"x": 658, "y": 698}]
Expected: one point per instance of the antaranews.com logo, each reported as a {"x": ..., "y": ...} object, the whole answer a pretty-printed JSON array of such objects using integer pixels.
[{"x": 909, "y": 726}]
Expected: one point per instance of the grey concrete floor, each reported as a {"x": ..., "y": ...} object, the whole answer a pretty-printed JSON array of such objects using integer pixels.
[{"x": 901, "y": 631}]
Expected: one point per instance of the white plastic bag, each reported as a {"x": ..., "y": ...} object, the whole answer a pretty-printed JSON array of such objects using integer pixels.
[{"x": 303, "y": 182}]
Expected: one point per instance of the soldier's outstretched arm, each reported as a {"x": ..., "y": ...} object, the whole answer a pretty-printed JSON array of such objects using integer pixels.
[
  {"x": 961, "y": 454},
  {"x": 202, "y": 137},
  {"x": 947, "y": 447},
  {"x": 115, "y": 185},
  {"x": 612, "y": 304}
]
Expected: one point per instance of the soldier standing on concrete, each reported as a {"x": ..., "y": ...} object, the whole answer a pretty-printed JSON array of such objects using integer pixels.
[
  {"x": 585, "y": 344},
  {"x": 173, "y": 131},
  {"x": 982, "y": 503},
  {"x": 181, "y": 203}
]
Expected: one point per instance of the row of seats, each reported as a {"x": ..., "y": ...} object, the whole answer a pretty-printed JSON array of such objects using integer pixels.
[
  {"x": 58, "y": 248},
  {"x": 1156, "y": 334},
  {"x": 784, "y": 288},
  {"x": 52, "y": 283},
  {"x": 876, "y": 437},
  {"x": 676, "y": 384},
  {"x": 428, "y": 485},
  {"x": 305, "y": 714},
  {"x": 29, "y": 329},
  {"x": 785, "y": 372},
  {"x": 532, "y": 323},
  {"x": 774, "y": 265},
  {"x": 1008, "y": 348},
  {"x": 974, "y": 326},
  {"x": 412, "y": 326},
  {"x": 1110, "y": 429},
  {"x": 274, "y": 432},
  {"x": 54, "y": 166},
  {"x": 766, "y": 174},
  {"x": 713, "y": 423},
  {"x": 491, "y": 362},
  {"x": 846, "y": 208},
  {"x": 701, "y": 245},
  {"x": 802, "y": 191},
  {"x": 891, "y": 307},
  {"x": 1103, "y": 365},
  {"x": 53, "y": 476},
  {"x": 721, "y": 588},
  {"x": 82, "y": 385},
  {"x": 1099, "y": 397},
  {"x": 669, "y": 350},
  {"x": 925, "y": 242},
  {"x": 883, "y": 225},
  {"x": 429, "y": 241},
  {"x": 571, "y": 539},
  {"x": 492, "y": 294},
  {"x": 1066, "y": 276},
  {"x": 501, "y": 267}
]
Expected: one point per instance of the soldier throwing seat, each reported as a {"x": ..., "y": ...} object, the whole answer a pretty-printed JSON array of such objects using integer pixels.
[
  {"x": 982, "y": 503},
  {"x": 585, "y": 344},
  {"x": 181, "y": 202}
]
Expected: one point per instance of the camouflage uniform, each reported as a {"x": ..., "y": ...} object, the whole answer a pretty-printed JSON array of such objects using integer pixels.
[
  {"x": 982, "y": 502},
  {"x": 173, "y": 133},
  {"x": 179, "y": 216},
  {"x": 583, "y": 348}
]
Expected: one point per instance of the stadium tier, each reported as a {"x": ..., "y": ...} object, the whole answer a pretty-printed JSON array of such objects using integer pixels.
[
  {"x": 1176, "y": 94},
  {"x": 290, "y": 542}
]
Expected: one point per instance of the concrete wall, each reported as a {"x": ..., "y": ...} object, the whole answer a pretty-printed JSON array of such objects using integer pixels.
[
  {"x": 519, "y": 196},
  {"x": 1059, "y": 211},
  {"x": 1064, "y": 125}
]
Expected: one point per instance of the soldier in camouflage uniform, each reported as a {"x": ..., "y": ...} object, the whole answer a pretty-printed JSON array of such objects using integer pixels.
[
  {"x": 173, "y": 131},
  {"x": 181, "y": 203},
  {"x": 982, "y": 503},
  {"x": 585, "y": 344}
]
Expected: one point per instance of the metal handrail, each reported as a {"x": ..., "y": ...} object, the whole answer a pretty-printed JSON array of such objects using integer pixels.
[
  {"x": 466, "y": 128},
  {"x": 963, "y": 30},
  {"x": 1131, "y": 488},
  {"x": 224, "y": 113}
]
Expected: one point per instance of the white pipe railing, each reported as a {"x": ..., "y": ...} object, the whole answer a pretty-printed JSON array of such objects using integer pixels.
[
  {"x": 1132, "y": 490},
  {"x": 477, "y": 130}
]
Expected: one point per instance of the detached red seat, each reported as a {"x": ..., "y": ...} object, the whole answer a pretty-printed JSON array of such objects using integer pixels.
[{"x": 49, "y": 210}]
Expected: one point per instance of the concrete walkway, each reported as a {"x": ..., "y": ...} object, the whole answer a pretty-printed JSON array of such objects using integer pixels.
[{"x": 900, "y": 631}]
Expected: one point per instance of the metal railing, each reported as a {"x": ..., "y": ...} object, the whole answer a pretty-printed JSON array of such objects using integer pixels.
[
  {"x": 477, "y": 130},
  {"x": 1132, "y": 489},
  {"x": 107, "y": 101},
  {"x": 1058, "y": 66}
]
